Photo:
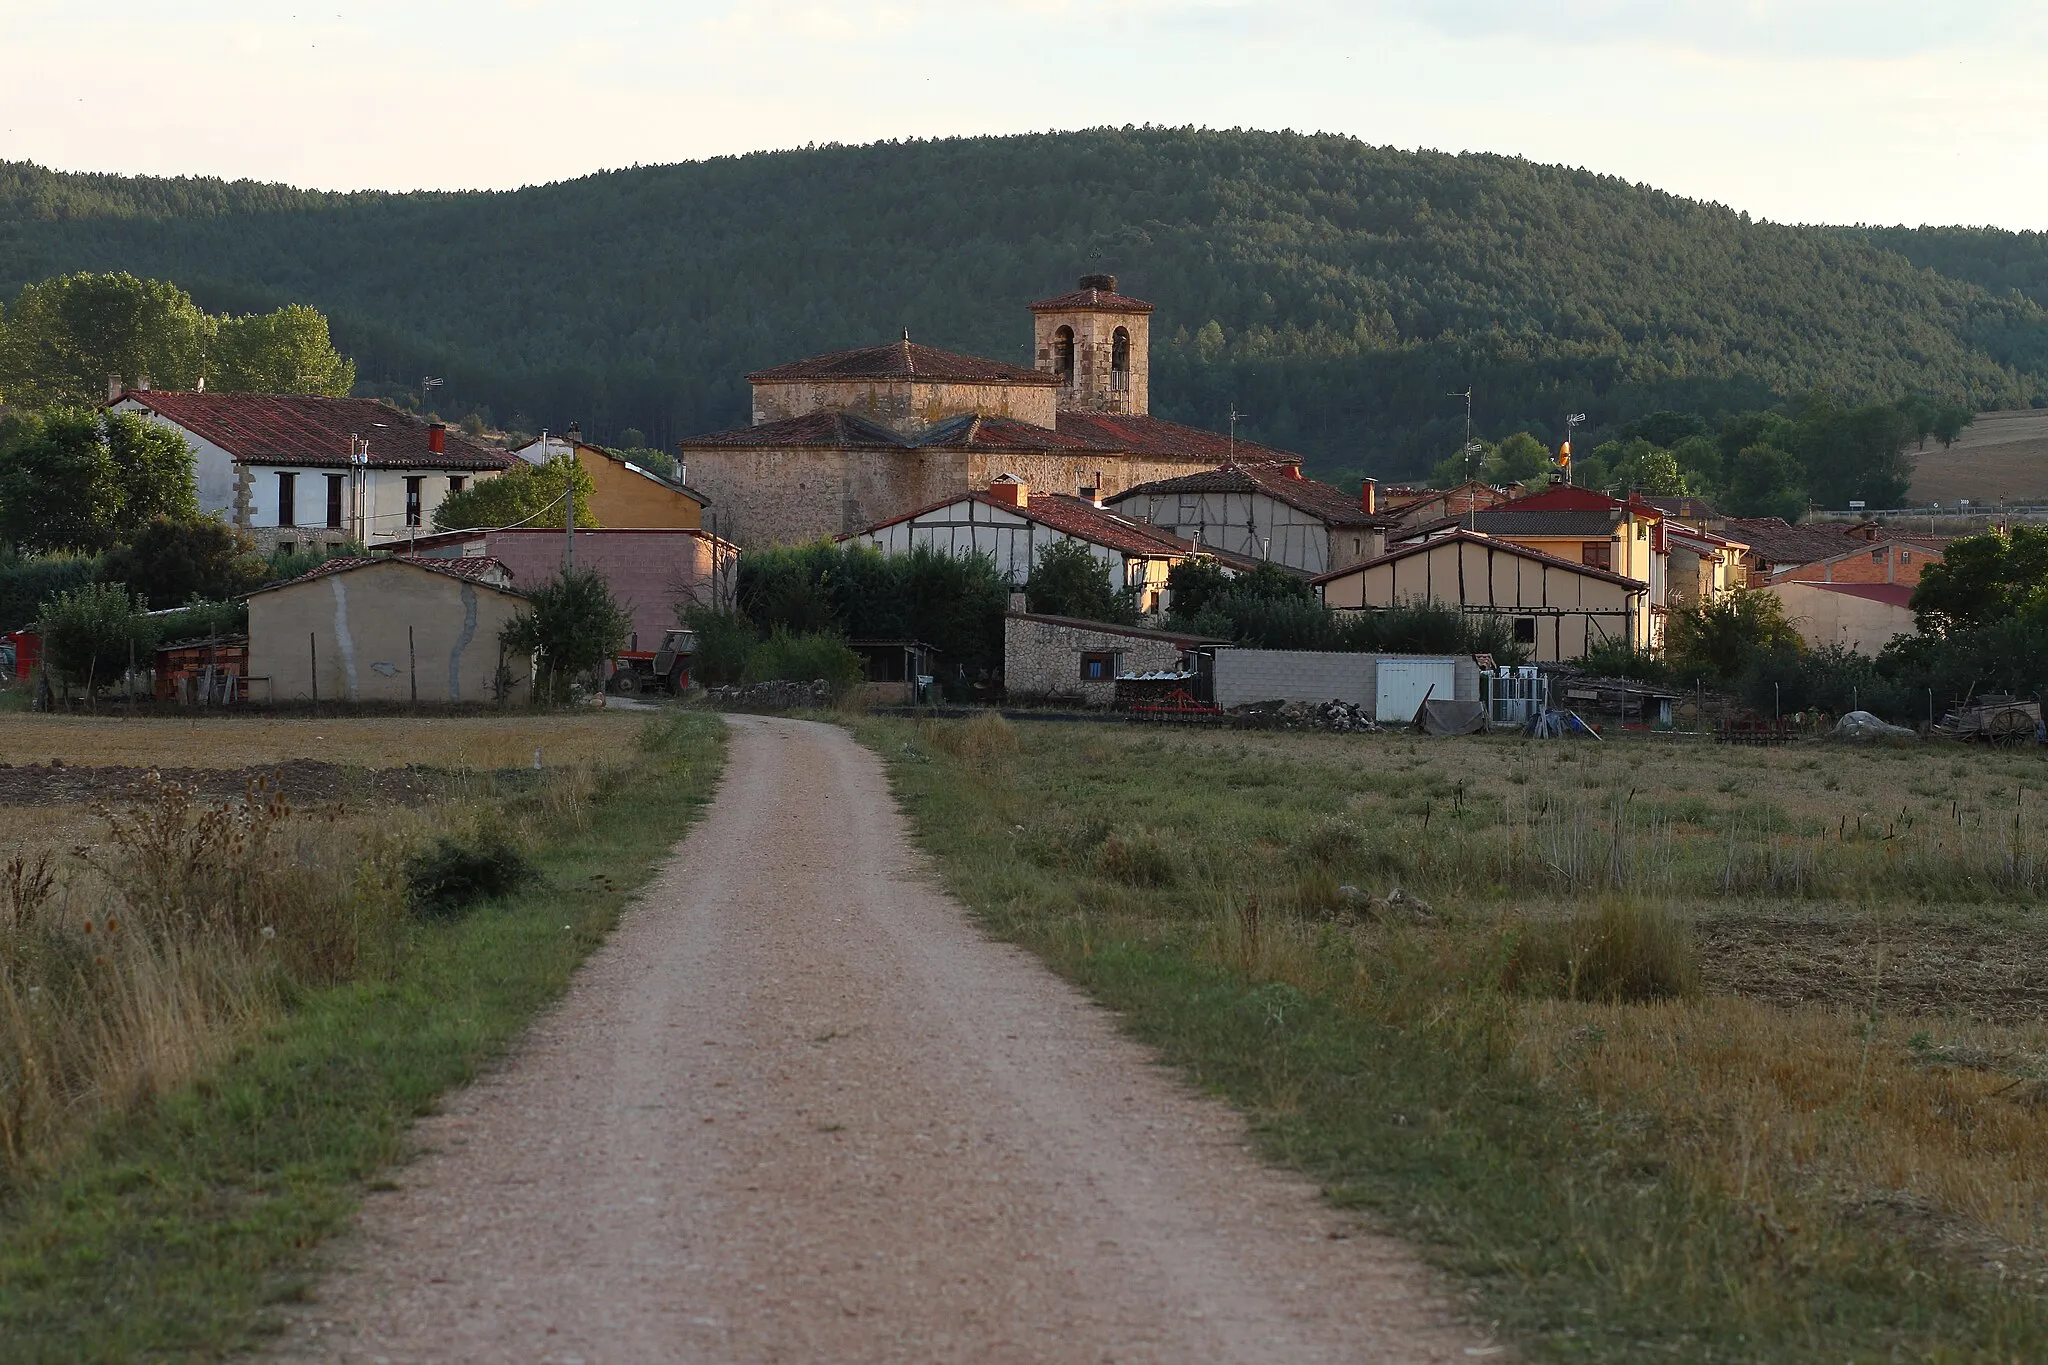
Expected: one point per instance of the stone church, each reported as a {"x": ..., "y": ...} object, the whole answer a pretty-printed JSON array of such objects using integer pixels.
[{"x": 843, "y": 441}]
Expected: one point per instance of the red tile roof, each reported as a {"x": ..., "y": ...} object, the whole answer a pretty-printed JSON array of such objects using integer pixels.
[
  {"x": 1097, "y": 292},
  {"x": 1280, "y": 480},
  {"x": 832, "y": 430},
  {"x": 1508, "y": 547},
  {"x": 1076, "y": 517},
  {"x": 903, "y": 360},
  {"x": 1157, "y": 436},
  {"x": 997, "y": 433},
  {"x": 302, "y": 429},
  {"x": 1775, "y": 541},
  {"x": 475, "y": 569}
]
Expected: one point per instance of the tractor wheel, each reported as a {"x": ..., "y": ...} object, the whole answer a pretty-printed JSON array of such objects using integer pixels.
[{"x": 626, "y": 682}]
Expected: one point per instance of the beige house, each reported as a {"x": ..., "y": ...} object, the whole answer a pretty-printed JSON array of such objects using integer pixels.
[
  {"x": 386, "y": 630},
  {"x": 1558, "y": 609},
  {"x": 1861, "y": 617},
  {"x": 1705, "y": 567}
]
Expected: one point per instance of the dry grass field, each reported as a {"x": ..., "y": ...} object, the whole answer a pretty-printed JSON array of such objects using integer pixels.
[
  {"x": 146, "y": 925},
  {"x": 2002, "y": 458},
  {"x": 1688, "y": 1051}
]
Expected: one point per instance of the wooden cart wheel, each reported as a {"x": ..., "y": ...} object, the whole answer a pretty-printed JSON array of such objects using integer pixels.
[{"x": 2012, "y": 726}]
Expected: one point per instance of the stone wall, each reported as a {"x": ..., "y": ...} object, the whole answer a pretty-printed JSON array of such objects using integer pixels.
[
  {"x": 1244, "y": 676},
  {"x": 1042, "y": 660},
  {"x": 905, "y": 406}
]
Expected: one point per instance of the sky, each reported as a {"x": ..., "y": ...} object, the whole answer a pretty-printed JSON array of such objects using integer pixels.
[{"x": 1878, "y": 111}]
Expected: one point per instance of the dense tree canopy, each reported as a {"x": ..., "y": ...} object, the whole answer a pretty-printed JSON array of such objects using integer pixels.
[
  {"x": 1332, "y": 290},
  {"x": 65, "y": 337},
  {"x": 77, "y": 479},
  {"x": 524, "y": 495}
]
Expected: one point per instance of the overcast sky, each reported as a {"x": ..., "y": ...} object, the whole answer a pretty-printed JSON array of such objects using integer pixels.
[{"x": 1802, "y": 110}]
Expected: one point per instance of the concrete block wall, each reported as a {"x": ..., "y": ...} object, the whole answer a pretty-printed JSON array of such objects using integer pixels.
[{"x": 1251, "y": 675}]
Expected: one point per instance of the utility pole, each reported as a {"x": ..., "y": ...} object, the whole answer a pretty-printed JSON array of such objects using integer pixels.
[{"x": 1570, "y": 423}]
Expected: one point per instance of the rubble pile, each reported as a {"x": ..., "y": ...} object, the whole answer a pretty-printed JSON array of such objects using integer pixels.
[
  {"x": 772, "y": 696},
  {"x": 1341, "y": 717}
]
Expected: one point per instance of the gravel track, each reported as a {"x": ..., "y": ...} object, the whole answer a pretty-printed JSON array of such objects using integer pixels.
[{"x": 799, "y": 1109}]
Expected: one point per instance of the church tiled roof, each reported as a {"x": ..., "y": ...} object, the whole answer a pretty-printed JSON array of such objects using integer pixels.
[
  {"x": 1097, "y": 292},
  {"x": 1157, "y": 436},
  {"x": 831, "y": 430},
  {"x": 903, "y": 360},
  {"x": 973, "y": 432}
]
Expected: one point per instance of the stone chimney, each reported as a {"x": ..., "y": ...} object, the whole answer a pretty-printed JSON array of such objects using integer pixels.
[
  {"x": 437, "y": 437},
  {"x": 1369, "y": 497},
  {"x": 574, "y": 436},
  {"x": 1010, "y": 491},
  {"x": 142, "y": 382},
  {"x": 114, "y": 388}
]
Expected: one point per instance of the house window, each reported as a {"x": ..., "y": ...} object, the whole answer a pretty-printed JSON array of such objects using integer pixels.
[
  {"x": 1877, "y": 556},
  {"x": 1120, "y": 360},
  {"x": 412, "y": 500},
  {"x": 1063, "y": 355},
  {"x": 1597, "y": 554},
  {"x": 457, "y": 482},
  {"x": 287, "y": 490},
  {"x": 1098, "y": 666},
  {"x": 1525, "y": 630},
  {"x": 335, "y": 483},
  {"x": 1905, "y": 556}
]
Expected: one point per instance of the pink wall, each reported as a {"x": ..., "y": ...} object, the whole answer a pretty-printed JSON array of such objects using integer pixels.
[{"x": 649, "y": 571}]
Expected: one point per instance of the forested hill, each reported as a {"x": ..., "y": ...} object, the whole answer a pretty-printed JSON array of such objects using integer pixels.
[{"x": 1333, "y": 291}]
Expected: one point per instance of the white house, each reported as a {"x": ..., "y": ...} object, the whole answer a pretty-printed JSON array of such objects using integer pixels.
[
  {"x": 295, "y": 469},
  {"x": 1264, "y": 511},
  {"x": 1012, "y": 525}
]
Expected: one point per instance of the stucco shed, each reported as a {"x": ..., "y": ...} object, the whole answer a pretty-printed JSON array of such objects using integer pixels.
[{"x": 390, "y": 630}]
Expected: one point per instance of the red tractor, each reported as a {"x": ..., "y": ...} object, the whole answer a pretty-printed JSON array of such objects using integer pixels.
[{"x": 659, "y": 670}]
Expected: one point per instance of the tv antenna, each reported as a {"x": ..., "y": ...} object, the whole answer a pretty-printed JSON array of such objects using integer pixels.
[
  {"x": 1575, "y": 420},
  {"x": 1235, "y": 418},
  {"x": 1467, "y": 447},
  {"x": 427, "y": 385}
]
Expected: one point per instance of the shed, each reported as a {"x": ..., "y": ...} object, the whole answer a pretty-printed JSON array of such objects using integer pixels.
[
  {"x": 1069, "y": 659},
  {"x": 1393, "y": 685},
  {"x": 206, "y": 671},
  {"x": 390, "y": 630}
]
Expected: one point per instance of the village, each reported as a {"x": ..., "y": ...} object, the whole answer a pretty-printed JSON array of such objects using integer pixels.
[
  {"x": 902, "y": 448},
  {"x": 959, "y": 865}
]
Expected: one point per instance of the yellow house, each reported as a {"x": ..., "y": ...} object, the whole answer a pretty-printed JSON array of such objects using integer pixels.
[
  {"x": 624, "y": 496},
  {"x": 1587, "y": 527}
]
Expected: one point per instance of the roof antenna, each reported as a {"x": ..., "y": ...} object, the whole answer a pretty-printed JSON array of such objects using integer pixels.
[{"x": 906, "y": 334}]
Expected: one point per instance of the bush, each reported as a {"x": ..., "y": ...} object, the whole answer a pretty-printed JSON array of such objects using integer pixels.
[
  {"x": 724, "y": 639},
  {"x": 1620, "y": 659},
  {"x": 199, "y": 619},
  {"x": 1620, "y": 950},
  {"x": 92, "y": 634},
  {"x": 1719, "y": 640},
  {"x": 1141, "y": 859},
  {"x": 449, "y": 878},
  {"x": 1068, "y": 580},
  {"x": 171, "y": 561},
  {"x": 281, "y": 567},
  {"x": 787, "y": 656},
  {"x": 28, "y": 581},
  {"x": 572, "y": 624}
]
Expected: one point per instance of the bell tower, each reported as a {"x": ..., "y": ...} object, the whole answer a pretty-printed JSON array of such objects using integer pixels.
[{"x": 1099, "y": 343}]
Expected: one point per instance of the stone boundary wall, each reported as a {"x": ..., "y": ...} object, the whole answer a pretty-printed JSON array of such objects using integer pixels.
[{"x": 1244, "y": 676}]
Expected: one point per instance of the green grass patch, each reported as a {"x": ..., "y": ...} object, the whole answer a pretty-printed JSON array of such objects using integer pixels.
[
  {"x": 172, "y": 1232},
  {"x": 1533, "y": 1089}
]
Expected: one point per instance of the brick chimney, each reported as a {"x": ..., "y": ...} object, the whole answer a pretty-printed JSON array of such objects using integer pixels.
[
  {"x": 437, "y": 437},
  {"x": 1010, "y": 491},
  {"x": 1294, "y": 471},
  {"x": 1369, "y": 497}
]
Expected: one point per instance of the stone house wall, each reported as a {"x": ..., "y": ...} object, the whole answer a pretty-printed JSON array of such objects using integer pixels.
[{"x": 1042, "y": 660}]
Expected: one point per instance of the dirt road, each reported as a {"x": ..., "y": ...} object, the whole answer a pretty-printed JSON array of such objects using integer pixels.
[{"x": 799, "y": 1109}]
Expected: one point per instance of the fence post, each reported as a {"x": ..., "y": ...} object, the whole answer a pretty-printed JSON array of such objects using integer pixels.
[
  {"x": 412, "y": 667},
  {"x": 313, "y": 654}
]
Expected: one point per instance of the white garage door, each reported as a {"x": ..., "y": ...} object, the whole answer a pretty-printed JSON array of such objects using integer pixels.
[{"x": 1403, "y": 683}]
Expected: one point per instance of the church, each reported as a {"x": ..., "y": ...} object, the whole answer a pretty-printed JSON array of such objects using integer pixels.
[{"x": 841, "y": 442}]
